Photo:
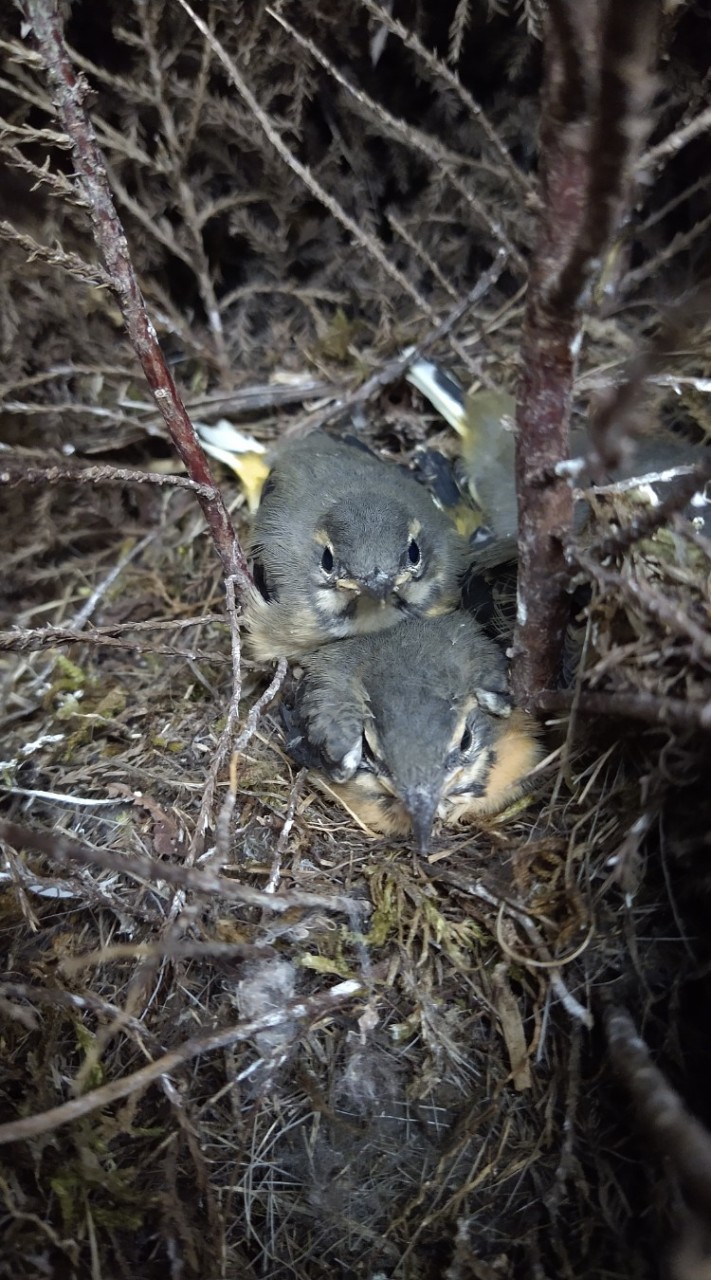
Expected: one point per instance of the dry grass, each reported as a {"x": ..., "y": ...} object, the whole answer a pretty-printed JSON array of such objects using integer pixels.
[{"x": 280, "y": 1048}]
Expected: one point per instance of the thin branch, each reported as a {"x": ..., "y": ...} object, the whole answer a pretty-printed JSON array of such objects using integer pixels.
[
  {"x": 36, "y": 408},
  {"x": 38, "y": 137},
  {"x": 543, "y": 958},
  {"x": 262, "y": 396},
  {"x": 34, "y": 640},
  {"x": 266, "y": 124},
  {"x": 69, "y": 370},
  {"x": 37, "y": 638},
  {"x": 16, "y": 473},
  {"x": 674, "y": 142},
  {"x": 652, "y": 267},
  {"x": 228, "y": 744},
  {"x": 662, "y": 212},
  {"x": 69, "y": 92},
  {"x": 675, "y": 713},
  {"x": 55, "y": 182},
  {"x": 647, "y": 522},
  {"x": 646, "y": 598},
  {"x": 394, "y": 370},
  {"x": 441, "y": 157},
  {"x": 63, "y": 849},
  {"x": 148, "y": 19},
  {"x": 84, "y": 272},
  {"x": 440, "y": 71},
  {"x": 298, "y": 1011},
  {"x": 679, "y": 1136}
]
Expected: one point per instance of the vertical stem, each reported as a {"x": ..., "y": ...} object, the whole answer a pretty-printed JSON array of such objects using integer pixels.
[
  {"x": 596, "y": 93},
  {"x": 545, "y": 392}
]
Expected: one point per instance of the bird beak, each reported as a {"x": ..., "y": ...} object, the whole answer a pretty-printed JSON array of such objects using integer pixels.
[
  {"x": 379, "y": 585},
  {"x": 421, "y": 804}
]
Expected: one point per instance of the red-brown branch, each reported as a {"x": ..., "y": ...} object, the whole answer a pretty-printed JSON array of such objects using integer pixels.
[
  {"x": 68, "y": 92},
  {"x": 595, "y": 85}
]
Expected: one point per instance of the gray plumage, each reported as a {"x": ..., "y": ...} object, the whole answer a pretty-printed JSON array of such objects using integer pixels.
[
  {"x": 344, "y": 543},
  {"x": 485, "y": 469},
  {"x": 417, "y": 705}
]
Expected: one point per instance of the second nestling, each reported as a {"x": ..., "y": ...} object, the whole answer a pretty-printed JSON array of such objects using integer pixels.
[{"x": 413, "y": 725}]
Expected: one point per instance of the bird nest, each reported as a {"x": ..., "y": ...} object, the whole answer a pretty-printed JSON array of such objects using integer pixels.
[{"x": 244, "y": 1037}]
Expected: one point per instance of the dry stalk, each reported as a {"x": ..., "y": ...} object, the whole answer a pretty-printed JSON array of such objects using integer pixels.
[
  {"x": 14, "y": 473},
  {"x": 368, "y": 242},
  {"x": 439, "y": 70},
  {"x": 36, "y": 638},
  {"x": 64, "y": 849},
  {"x": 306, "y": 1011},
  {"x": 228, "y": 744},
  {"x": 442, "y": 159},
  {"x": 68, "y": 92},
  {"x": 673, "y": 143},
  {"x": 669, "y": 613},
  {"x": 647, "y": 522},
  {"x": 394, "y": 369},
  {"x": 674, "y": 713},
  {"x": 85, "y": 272},
  {"x": 679, "y": 1136}
]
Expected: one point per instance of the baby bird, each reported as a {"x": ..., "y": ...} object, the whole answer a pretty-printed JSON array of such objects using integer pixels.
[
  {"x": 344, "y": 543},
  {"x": 413, "y": 724},
  {"x": 484, "y": 473}
]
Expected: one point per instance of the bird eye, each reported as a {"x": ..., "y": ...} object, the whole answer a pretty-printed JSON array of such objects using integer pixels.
[
  {"x": 413, "y": 552},
  {"x": 466, "y": 741},
  {"x": 327, "y": 560}
]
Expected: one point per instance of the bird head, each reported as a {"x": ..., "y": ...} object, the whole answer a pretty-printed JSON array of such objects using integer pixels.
[
  {"x": 425, "y": 743},
  {"x": 438, "y": 712},
  {"x": 376, "y": 547}
]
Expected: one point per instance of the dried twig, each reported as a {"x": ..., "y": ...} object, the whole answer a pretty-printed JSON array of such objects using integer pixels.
[
  {"x": 445, "y": 160},
  {"x": 542, "y": 959},
  {"x": 297, "y": 1011},
  {"x": 69, "y": 92},
  {"x": 63, "y": 849},
  {"x": 674, "y": 142},
  {"x": 184, "y": 192},
  {"x": 678, "y": 1135},
  {"x": 55, "y": 182},
  {"x": 228, "y": 744},
  {"x": 675, "y": 713},
  {"x": 86, "y": 272},
  {"x": 368, "y": 242},
  {"x": 14, "y": 473},
  {"x": 646, "y": 598},
  {"x": 33, "y": 639},
  {"x": 440, "y": 71},
  {"x": 275, "y": 871},
  {"x": 395, "y": 369},
  {"x": 647, "y": 522},
  {"x": 651, "y": 268}
]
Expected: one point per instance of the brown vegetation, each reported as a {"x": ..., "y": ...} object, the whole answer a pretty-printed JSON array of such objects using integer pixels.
[{"x": 241, "y": 1038}]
